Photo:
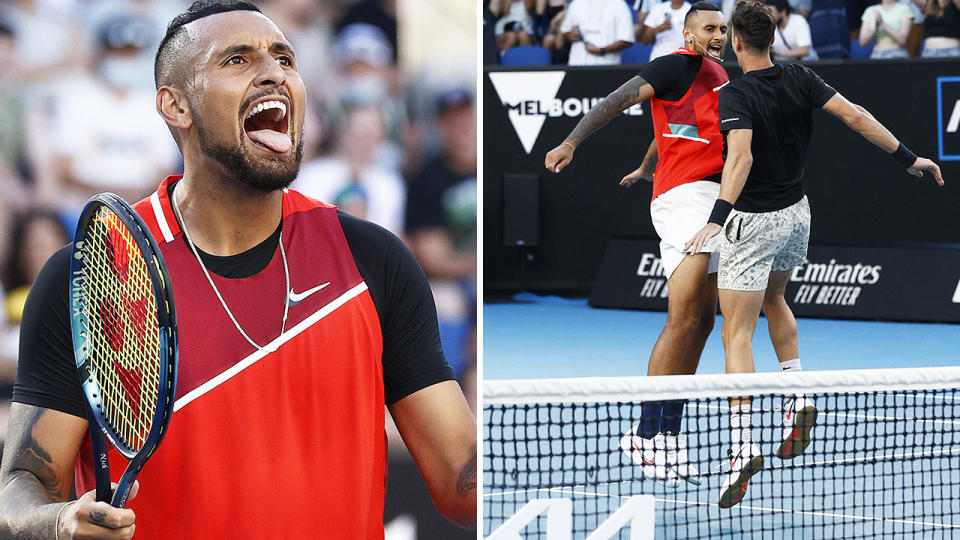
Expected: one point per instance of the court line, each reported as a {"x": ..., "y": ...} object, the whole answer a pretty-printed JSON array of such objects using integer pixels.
[{"x": 853, "y": 517}]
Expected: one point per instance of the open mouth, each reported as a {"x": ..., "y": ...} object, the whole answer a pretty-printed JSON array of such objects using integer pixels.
[
  {"x": 715, "y": 49},
  {"x": 267, "y": 125}
]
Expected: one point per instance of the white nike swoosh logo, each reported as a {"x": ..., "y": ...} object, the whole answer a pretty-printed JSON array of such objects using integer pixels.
[{"x": 296, "y": 297}]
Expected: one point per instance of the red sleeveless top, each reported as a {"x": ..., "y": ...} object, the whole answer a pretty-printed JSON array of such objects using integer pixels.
[
  {"x": 689, "y": 144},
  {"x": 285, "y": 442}
]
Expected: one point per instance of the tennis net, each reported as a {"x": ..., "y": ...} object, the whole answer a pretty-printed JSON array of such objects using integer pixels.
[{"x": 559, "y": 459}]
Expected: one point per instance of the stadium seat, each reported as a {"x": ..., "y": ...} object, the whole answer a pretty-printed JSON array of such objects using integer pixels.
[
  {"x": 860, "y": 51},
  {"x": 525, "y": 55},
  {"x": 638, "y": 53}
]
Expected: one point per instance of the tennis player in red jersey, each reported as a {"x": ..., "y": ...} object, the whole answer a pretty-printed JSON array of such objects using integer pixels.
[
  {"x": 297, "y": 324},
  {"x": 687, "y": 152}
]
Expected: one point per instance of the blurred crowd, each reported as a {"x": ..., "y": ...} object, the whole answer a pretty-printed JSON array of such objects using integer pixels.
[
  {"x": 602, "y": 32},
  {"x": 78, "y": 117}
]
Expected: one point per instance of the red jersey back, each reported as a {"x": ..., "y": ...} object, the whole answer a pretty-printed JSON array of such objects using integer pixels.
[{"x": 689, "y": 144}]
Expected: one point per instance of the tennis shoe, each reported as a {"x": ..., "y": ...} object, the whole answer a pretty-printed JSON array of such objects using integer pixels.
[
  {"x": 678, "y": 459},
  {"x": 650, "y": 455},
  {"x": 799, "y": 417},
  {"x": 745, "y": 462}
]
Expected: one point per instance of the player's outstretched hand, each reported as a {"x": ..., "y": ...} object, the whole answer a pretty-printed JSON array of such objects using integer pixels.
[
  {"x": 924, "y": 164},
  {"x": 559, "y": 157},
  {"x": 641, "y": 173},
  {"x": 695, "y": 244},
  {"x": 87, "y": 518}
]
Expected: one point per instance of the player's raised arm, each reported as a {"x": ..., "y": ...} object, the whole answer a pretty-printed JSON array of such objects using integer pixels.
[
  {"x": 634, "y": 91},
  {"x": 438, "y": 429},
  {"x": 861, "y": 121}
]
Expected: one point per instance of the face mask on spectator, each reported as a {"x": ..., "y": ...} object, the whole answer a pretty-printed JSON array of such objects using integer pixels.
[{"x": 123, "y": 73}]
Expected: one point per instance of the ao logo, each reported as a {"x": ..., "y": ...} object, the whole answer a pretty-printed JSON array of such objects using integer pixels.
[
  {"x": 637, "y": 513},
  {"x": 948, "y": 117},
  {"x": 954, "y": 123}
]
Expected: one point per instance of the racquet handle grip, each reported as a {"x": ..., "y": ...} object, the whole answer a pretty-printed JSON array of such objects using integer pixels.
[{"x": 101, "y": 465}]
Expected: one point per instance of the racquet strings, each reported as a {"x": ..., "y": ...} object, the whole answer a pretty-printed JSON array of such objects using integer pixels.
[{"x": 123, "y": 331}]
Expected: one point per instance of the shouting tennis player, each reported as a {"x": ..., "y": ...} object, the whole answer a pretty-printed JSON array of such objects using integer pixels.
[
  {"x": 297, "y": 324},
  {"x": 682, "y": 88},
  {"x": 767, "y": 120}
]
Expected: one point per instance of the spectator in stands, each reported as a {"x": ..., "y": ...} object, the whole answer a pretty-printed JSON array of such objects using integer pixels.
[
  {"x": 441, "y": 222},
  {"x": 663, "y": 26},
  {"x": 491, "y": 54},
  {"x": 379, "y": 13},
  {"x": 554, "y": 41},
  {"x": 124, "y": 144},
  {"x": 597, "y": 30},
  {"x": 514, "y": 26},
  {"x": 37, "y": 235},
  {"x": 364, "y": 58},
  {"x": 791, "y": 41},
  {"x": 57, "y": 43},
  {"x": 941, "y": 29},
  {"x": 801, "y": 7},
  {"x": 828, "y": 28},
  {"x": 15, "y": 192},
  {"x": 151, "y": 16},
  {"x": 353, "y": 178},
  {"x": 546, "y": 11},
  {"x": 888, "y": 23},
  {"x": 915, "y": 36},
  {"x": 642, "y": 7}
]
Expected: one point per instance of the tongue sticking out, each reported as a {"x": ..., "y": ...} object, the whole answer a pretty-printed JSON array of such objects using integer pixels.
[{"x": 274, "y": 140}]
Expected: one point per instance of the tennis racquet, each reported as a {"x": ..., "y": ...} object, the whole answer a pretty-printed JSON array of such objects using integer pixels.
[{"x": 124, "y": 337}]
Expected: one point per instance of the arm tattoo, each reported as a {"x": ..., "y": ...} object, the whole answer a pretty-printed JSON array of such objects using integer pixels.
[
  {"x": 607, "y": 109},
  {"x": 467, "y": 481},
  {"x": 98, "y": 517},
  {"x": 30, "y": 457}
]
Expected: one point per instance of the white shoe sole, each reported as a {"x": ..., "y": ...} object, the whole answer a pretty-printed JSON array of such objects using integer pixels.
[
  {"x": 737, "y": 489},
  {"x": 799, "y": 438}
]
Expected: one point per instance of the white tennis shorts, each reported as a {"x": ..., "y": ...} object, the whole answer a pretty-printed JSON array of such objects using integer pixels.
[
  {"x": 755, "y": 244},
  {"x": 678, "y": 215}
]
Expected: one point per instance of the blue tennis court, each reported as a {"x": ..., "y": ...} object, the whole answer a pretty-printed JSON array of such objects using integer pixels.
[
  {"x": 548, "y": 336},
  {"x": 881, "y": 464}
]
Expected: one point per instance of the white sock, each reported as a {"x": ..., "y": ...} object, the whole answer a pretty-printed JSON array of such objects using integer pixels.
[
  {"x": 790, "y": 365},
  {"x": 740, "y": 419}
]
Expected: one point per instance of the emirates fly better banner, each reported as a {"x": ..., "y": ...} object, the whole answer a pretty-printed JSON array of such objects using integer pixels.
[{"x": 888, "y": 283}]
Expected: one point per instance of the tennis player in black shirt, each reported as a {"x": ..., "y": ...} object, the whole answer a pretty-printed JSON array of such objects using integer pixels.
[{"x": 767, "y": 120}]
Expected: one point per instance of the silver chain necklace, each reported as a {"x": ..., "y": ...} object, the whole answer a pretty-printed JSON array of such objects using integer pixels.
[{"x": 286, "y": 273}]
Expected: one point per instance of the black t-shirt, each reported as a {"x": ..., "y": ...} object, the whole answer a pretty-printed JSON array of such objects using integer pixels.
[
  {"x": 946, "y": 26},
  {"x": 671, "y": 75},
  {"x": 412, "y": 355},
  {"x": 777, "y": 104},
  {"x": 439, "y": 197}
]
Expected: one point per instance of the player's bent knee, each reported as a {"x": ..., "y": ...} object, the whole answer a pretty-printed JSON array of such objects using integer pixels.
[{"x": 685, "y": 322}]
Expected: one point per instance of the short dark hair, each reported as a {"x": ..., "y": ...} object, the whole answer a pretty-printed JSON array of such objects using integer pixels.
[
  {"x": 699, "y": 6},
  {"x": 197, "y": 10},
  {"x": 780, "y": 5},
  {"x": 753, "y": 24}
]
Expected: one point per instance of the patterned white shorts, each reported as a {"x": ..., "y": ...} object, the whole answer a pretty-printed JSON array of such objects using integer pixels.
[{"x": 755, "y": 244}]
